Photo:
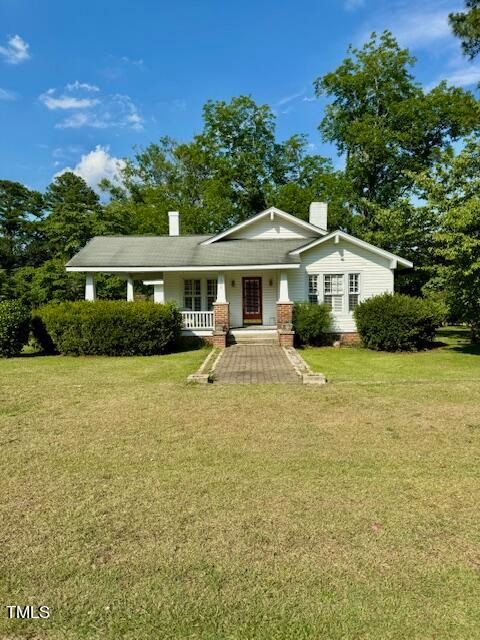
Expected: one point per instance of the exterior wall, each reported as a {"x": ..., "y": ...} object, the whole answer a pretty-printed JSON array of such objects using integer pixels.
[
  {"x": 375, "y": 274},
  {"x": 375, "y": 277},
  {"x": 266, "y": 228}
]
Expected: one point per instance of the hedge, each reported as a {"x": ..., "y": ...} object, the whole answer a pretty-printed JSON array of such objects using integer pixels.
[
  {"x": 111, "y": 328},
  {"x": 311, "y": 322},
  {"x": 397, "y": 322},
  {"x": 14, "y": 327}
]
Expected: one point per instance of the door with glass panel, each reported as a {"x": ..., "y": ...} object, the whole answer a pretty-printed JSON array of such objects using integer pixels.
[{"x": 252, "y": 300}]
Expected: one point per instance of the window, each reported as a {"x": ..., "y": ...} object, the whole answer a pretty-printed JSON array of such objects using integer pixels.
[
  {"x": 192, "y": 295},
  {"x": 353, "y": 290},
  {"x": 211, "y": 293},
  {"x": 313, "y": 288},
  {"x": 333, "y": 291}
]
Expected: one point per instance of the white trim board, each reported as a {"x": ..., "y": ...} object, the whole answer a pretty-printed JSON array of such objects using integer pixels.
[
  {"x": 335, "y": 235},
  {"x": 219, "y": 268},
  {"x": 272, "y": 211}
]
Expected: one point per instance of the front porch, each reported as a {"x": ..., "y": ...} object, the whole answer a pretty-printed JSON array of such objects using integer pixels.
[{"x": 215, "y": 304}]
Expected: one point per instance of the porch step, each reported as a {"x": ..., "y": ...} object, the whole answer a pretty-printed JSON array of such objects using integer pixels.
[{"x": 249, "y": 336}]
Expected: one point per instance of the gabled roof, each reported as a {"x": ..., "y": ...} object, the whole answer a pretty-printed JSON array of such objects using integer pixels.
[
  {"x": 180, "y": 252},
  {"x": 271, "y": 211},
  {"x": 336, "y": 235}
]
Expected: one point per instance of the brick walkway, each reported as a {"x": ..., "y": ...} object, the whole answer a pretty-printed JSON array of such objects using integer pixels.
[{"x": 254, "y": 364}]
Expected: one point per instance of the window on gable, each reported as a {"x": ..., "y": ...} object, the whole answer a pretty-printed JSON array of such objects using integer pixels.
[
  {"x": 192, "y": 295},
  {"x": 313, "y": 288},
  {"x": 353, "y": 290},
  {"x": 333, "y": 291},
  {"x": 211, "y": 293}
]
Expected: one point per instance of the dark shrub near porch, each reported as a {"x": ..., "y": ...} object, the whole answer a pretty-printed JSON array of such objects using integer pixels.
[
  {"x": 311, "y": 322},
  {"x": 14, "y": 327},
  {"x": 396, "y": 322},
  {"x": 110, "y": 328}
]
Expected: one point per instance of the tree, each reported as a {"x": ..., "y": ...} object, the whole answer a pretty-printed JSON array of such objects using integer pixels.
[
  {"x": 230, "y": 171},
  {"x": 20, "y": 211},
  {"x": 466, "y": 26},
  {"x": 452, "y": 192},
  {"x": 73, "y": 213},
  {"x": 384, "y": 123},
  {"x": 390, "y": 130}
]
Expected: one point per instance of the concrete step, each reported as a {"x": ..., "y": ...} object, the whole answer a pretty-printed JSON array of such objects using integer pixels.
[{"x": 253, "y": 337}]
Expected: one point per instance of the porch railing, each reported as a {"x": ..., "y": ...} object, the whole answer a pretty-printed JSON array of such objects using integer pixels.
[{"x": 197, "y": 319}]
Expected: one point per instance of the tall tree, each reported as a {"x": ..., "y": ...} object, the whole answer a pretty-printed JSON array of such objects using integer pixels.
[
  {"x": 233, "y": 169},
  {"x": 73, "y": 212},
  {"x": 466, "y": 26},
  {"x": 387, "y": 127},
  {"x": 452, "y": 192},
  {"x": 20, "y": 211}
]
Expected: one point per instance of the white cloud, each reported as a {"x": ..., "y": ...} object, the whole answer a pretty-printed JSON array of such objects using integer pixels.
[
  {"x": 64, "y": 101},
  {"x": 415, "y": 25},
  {"x": 113, "y": 112},
  {"x": 135, "y": 63},
  {"x": 465, "y": 75},
  {"x": 16, "y": 50},
  {"x": 7, "y": 96},
  {"x": 290, "y": 98},
  {"x": 101, "y": 112},
  {"x": 81, "y": 86},
  {"x": 96, "y": 165}
]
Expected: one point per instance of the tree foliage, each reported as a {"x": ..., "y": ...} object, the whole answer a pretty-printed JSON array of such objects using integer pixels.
[
  {"x": 385, "y": 124},
  {"x": 452, "y": 193},
  {"x": 466, "y": 26},
  {"x": 235, "y": 167}
]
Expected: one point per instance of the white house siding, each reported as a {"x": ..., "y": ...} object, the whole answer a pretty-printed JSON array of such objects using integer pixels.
[
  {"x": 376, "y": 277},
  {"x": 278, "y": 228},
  {"x": 174, "y": 291}
]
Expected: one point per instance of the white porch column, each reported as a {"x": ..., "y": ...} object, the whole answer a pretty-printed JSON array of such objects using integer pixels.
[
  {"x": 90, "y": 293},
  {"x": 159, "y": 293},
  {"x": 221, "y": 291},
  {"x": 158, "y": 290},
  {"x": 130, "y": 289},
  {"x": 283, "y": 293}
]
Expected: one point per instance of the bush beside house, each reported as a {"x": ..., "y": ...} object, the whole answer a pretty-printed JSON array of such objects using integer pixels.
[
  {"x": 14, "y": 327},
  {"x": 396, "y": 322},
  {"x": 112, "y": 328},
  {"x": 311, "y": 322}
]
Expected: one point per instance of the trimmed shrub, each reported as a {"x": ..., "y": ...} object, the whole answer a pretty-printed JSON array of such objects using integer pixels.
[
  {"x": 397, "y": 322},
  {"x": 110, "y": 328},
  {"x": 14, "y": 327},
  {"x": 311, "y": 322}
]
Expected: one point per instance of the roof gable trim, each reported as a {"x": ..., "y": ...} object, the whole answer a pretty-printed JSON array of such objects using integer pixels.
[
  {"x": 271, "y": 211},
  {"x": 336, "y": 235}
]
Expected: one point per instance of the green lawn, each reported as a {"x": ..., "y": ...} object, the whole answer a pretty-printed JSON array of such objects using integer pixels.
[
  {"x": 455, "y": 359},
  {"x": 138, "y": 506}
]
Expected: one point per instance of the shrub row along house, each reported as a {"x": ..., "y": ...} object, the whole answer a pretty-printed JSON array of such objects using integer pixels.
[{"x": 249, "y": 276}]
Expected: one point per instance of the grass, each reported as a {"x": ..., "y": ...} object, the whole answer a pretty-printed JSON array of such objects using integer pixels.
[
  {"x": 138, "y": 506},
  {"x": 454, "y": 359}
]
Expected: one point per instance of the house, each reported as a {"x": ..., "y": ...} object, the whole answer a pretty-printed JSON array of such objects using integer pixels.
[{"x": 248, "y": 275}]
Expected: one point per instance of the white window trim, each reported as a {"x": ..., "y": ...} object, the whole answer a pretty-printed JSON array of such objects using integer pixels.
[{"x": 321, "y": 289}]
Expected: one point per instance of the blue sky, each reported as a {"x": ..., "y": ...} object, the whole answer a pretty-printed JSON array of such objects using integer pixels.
[{"x": 82, "y": 83}]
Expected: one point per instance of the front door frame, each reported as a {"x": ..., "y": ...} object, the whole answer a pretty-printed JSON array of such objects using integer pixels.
[{"x": 252, "y": 318}]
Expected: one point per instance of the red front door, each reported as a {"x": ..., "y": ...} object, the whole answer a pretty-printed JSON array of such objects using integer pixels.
[{"x": 252, "y": 300}]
